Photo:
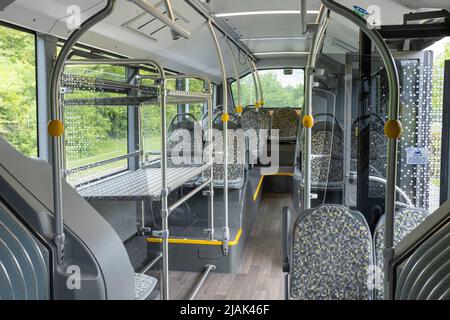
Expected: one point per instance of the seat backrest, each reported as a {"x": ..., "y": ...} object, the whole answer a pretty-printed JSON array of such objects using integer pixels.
[
  {"x": 326, "y": 152},
  {"x": 186, "y": 137},
  {"x": 331, "y": 251},
  {"x": 405, "y": 221},
  {"x": 249, "y": 120},
  {"x": 285, "y": 120},
  {"x": 236, "y": 162},
  {"x": 264, "y": 118},
  {"x": 251, "y": 126}
]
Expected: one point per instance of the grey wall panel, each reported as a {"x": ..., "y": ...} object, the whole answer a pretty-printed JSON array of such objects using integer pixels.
[
  {"x": 94, "y": 231},
  {"x": 120, "y": 214}
]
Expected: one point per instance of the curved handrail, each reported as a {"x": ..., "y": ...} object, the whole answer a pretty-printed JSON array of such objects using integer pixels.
[
  {"x": 309, "y": 74},
  {"x": 393, "y": 115},
  {"x": 255, "y": 81},
  {"x": 236, "y": 74},
  {"x": 56, "y": 115},
  {"x": 226, "y": 229}
]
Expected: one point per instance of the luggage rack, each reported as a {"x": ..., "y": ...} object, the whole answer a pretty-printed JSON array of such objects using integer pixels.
[
  {"x": 146, "y": 182},
  {"x": 141, "y": 184}
]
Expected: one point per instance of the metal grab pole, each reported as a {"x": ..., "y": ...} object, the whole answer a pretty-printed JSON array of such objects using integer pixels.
[
  {"x": 164, "y": 192},
  {"x": 261, "y": 98},
  {"x": 392, "y": 131},
  {"x": 225, "y": 117},
  {"x": 56, "y": 123},
  {"x": 307, "y": 113},
  {"x": 255, "y": 82},
  {"x": 211, "y": 170},
  {"x": 303, "y": 15},
  {"x": 238, "y": 80}
]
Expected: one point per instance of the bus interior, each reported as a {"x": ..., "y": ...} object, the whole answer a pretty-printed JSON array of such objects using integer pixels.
[{"x": 302, "y": 154}]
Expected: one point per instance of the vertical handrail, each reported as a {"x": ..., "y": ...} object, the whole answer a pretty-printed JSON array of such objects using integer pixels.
[
  {"x": 211, "y": 168},
  {"x": 56, "y": 127},
  {"x": 225, "y": 118},
  {"x": 308, "y": 120},
  {"x": 238, "y": 80},
  {"x": 258, "y": 78},
  {"x": 303, "y": 9},
  {"x": 164, "y": 192},
  {"x": 255, "y": 82},
  {"x": 392, "y": 130}
]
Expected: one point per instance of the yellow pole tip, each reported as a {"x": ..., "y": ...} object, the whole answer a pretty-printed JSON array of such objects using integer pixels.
[
  {"x": 55, "y": 128},
  {"x": 262, "y": 103},
  {"x": 393, "y": 129},
  {"x": 239, "y": 109},
  {"x": 308, "y": 121},
  {"x": 225, "y": 117},
  {"x": 257, "y": 105}
]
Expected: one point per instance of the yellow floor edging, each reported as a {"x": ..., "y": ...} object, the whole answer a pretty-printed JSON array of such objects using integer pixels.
[{"x": 198, "y": 241}]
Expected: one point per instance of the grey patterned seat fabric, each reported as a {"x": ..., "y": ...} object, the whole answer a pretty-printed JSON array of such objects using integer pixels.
[
  {"x": 405, "y": 221},
  {"x": 143, "y": 285},
  {"x": 193, "y": 145},
  {"x": 285, "y": 120},
  {"x": 236, "y": 163},
  {"x": 205, "y": 117},
  {"x": 264, "y": 118},
  {"x": 326, "y": 153},
  {"x": 331, "y": 252},
  {"x": 250, "y": 122},
  {"x": 378, "y": 147}
]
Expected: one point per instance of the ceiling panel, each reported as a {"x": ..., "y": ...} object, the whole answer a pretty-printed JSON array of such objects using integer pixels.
[{"x": 267, "y": 25}]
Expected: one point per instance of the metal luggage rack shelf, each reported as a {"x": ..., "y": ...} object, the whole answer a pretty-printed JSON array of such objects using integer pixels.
[
  {"x": 149, "y": 95},
  {"x": 145, "y": 183},
  {"x": 141, "y": 184}
]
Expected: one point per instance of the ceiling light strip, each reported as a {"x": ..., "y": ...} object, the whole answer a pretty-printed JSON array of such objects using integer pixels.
[
  {"x": 255, "y": 13},
  {"x": 281, "y": 53},
  {"x": 274, "y": 38}
]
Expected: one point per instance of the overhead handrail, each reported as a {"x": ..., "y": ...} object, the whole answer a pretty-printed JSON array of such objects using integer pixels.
[
  {"x": 225, "y": 118},
  {"x": 169, "y": 21},
  {"x": 392, "y": 129},
  {"x": 56, "y": 126},
  {"x": 308, "y": 120},
  {"x": 238, "y": 80}
]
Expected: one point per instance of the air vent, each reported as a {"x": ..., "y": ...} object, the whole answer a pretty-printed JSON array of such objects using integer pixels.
[{"x": 148, "y": 25}]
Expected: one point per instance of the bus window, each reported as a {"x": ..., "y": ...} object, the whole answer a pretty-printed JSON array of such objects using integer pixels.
[
  {"x": 280, "y": 89},
  {"x": 18, "y": 90},
  {"x": 97, "y": 133},
  {"x": 441, "y": 50}
]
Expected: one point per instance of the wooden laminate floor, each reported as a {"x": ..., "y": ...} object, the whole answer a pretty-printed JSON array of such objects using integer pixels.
[{"x": 260, "y": 275}]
